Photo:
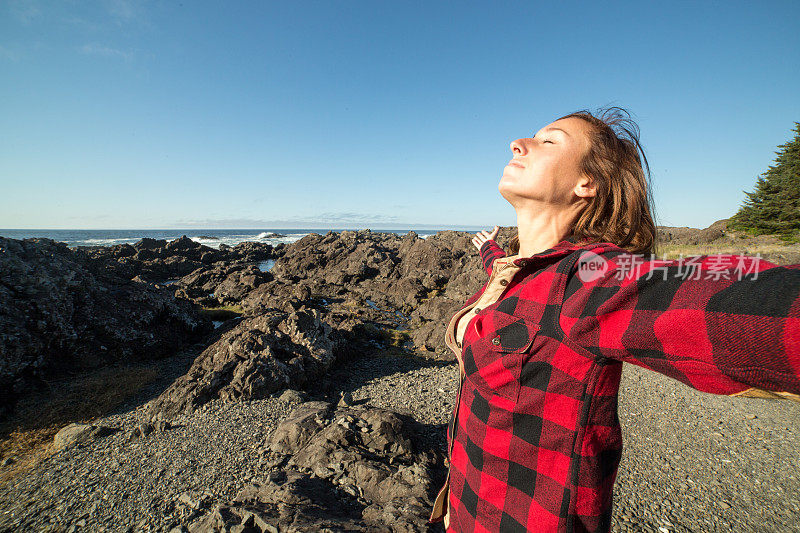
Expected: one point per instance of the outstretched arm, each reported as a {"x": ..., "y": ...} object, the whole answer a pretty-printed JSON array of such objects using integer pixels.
[
  {"x": 728, "y": 325},
  {"x": 487, "y": 247}
]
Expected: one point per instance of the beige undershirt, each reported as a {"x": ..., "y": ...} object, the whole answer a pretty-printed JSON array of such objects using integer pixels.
[{"x": 502, "y": 271}]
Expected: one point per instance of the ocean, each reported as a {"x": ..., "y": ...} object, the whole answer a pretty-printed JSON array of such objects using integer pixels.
[{"x": 208, "y": 237}]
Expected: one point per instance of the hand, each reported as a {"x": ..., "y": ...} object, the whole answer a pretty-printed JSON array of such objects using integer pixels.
[{"x": 482, "y": 236}]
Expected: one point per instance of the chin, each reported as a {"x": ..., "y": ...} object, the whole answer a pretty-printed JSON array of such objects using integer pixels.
[{"x": 506, "y": 192}]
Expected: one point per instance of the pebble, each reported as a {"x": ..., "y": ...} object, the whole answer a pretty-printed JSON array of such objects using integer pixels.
[{"x": 697, "y": 456}]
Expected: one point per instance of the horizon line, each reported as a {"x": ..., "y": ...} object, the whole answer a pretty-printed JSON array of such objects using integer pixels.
[{"x": 331, "y": 228}]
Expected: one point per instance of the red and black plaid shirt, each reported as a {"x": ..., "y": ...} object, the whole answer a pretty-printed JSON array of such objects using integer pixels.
[{"x": 535, "y": 440}]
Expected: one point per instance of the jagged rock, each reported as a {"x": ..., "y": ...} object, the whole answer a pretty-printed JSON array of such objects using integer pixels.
[
  {"x": 360, "y": 277},
  {"x": 183, "y": 243},
  {"x": 367, "y": 453},
  {"x": 159, "y": 260},
  {"x": 346, "y": 399},
  {"x": 250, "y": 251},
  {"x": 61, "y": 312},
  {"x": 149, "y": 244},
  {"x": 348, "y": 470},
  {"x": 296, "y": 430},
  {"x": 292, "y": 396},
  {"x": 191, "y": 502},
  {"x": 393, "y": 280},
  {"x": 255, "y": 358},
  {"x": 222, "y": 283}
]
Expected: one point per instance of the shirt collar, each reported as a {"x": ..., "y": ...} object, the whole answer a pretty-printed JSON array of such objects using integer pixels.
[{"x": 561, "y": 249}]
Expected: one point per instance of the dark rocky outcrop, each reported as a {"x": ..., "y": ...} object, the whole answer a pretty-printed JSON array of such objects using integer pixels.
[
  {"x": 257, "y": 357},
  {"x": 336, "y": 470},
  {"x": 61, "y": 312},
  {"x": 159, "y": 260},
  {"x": 400, "y": 281},
  {"x": 221, "y": 283}
]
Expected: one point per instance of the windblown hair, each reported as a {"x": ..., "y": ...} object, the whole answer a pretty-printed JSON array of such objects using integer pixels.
[{"x": 620, "y": 213}]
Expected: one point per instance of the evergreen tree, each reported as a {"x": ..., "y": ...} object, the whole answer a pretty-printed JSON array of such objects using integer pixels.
[{"x": 774, "y": 206}]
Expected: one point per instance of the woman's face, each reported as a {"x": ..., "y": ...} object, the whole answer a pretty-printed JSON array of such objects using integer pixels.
[{"x": 546, "y": 167}]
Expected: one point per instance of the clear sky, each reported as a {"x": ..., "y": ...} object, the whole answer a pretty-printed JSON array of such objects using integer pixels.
[{"x": 123, "y": 114}]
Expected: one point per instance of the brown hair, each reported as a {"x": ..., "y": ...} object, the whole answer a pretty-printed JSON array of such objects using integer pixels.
[{"x": 620, "y": 213}]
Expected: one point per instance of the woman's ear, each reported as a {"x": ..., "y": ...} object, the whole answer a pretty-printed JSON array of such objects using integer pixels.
[{"x": 585, "y": 187}]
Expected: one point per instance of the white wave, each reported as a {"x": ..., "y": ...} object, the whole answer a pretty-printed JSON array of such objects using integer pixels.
[
  {"x": 206, "y": 240},
  {"x": 233, "y": 240},
  {"x": 103, "y": 242}
]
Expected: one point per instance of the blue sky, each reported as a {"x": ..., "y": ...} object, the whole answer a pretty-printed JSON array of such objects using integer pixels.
[{"x": 121, "y": 114}]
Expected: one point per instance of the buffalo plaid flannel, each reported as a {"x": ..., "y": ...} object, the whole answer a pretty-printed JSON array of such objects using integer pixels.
[{"x": 535, "y": 441}]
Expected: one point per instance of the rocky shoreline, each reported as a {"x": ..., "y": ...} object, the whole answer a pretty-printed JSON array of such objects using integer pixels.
[
  {"x": 319, "y": 397},
  {"x": 710, "y": 464}
]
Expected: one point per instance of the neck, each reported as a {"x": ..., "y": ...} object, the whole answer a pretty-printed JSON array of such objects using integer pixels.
[{"x": 543, "y": 226}]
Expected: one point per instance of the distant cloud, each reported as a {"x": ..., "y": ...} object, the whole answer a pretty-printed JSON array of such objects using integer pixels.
[
  {"x": 8, "y": 54},
  {"x": 223, "y": 223},
  {"x": 122, "y": 9},
  {"x": 24, "y": 10},
  {"x": 342, "y": 219},
  {"x": 348, "y": 217},
  {"x": 96, "y": 49},
  {"x": 93, "y": 218},
  {"x": 128, "y": 12}
]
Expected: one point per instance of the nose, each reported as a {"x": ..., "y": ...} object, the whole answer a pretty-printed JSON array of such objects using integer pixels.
[{"x": 518, "y": 146}]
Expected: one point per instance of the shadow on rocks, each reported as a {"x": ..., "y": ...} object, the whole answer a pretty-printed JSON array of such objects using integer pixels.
[
  {"x": 337, "y": 469},
  {"x": 255, "y": 358}
]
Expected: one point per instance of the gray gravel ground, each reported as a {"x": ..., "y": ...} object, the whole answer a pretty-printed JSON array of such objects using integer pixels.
[
  {"x": 702, "y": 462},
  {"x": 693, "y": 461}
]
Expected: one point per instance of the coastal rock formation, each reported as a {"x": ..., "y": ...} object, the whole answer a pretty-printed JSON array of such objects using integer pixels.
[
  {"x": 159, "y": 260},
  {"x": 379, "y": 288},
  {"x": 221, "y": 284},
  {"x": 405, "y": 281},
  {"x": 255, "y": 358},
  {"x": 60, "y": 312},
  {"x": 344, "y": 470}
]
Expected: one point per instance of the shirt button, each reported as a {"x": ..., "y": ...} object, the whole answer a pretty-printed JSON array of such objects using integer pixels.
[
  {"x": 496, "y": 341},
  {"x": 503, "y": 282},
  {"x": 477, "y": 309}
]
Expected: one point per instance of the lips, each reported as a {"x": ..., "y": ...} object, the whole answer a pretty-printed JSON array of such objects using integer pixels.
[{"x": 515, "y": 163}]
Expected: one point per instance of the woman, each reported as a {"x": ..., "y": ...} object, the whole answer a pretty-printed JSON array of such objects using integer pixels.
[{"x": 535, "y": 440}]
